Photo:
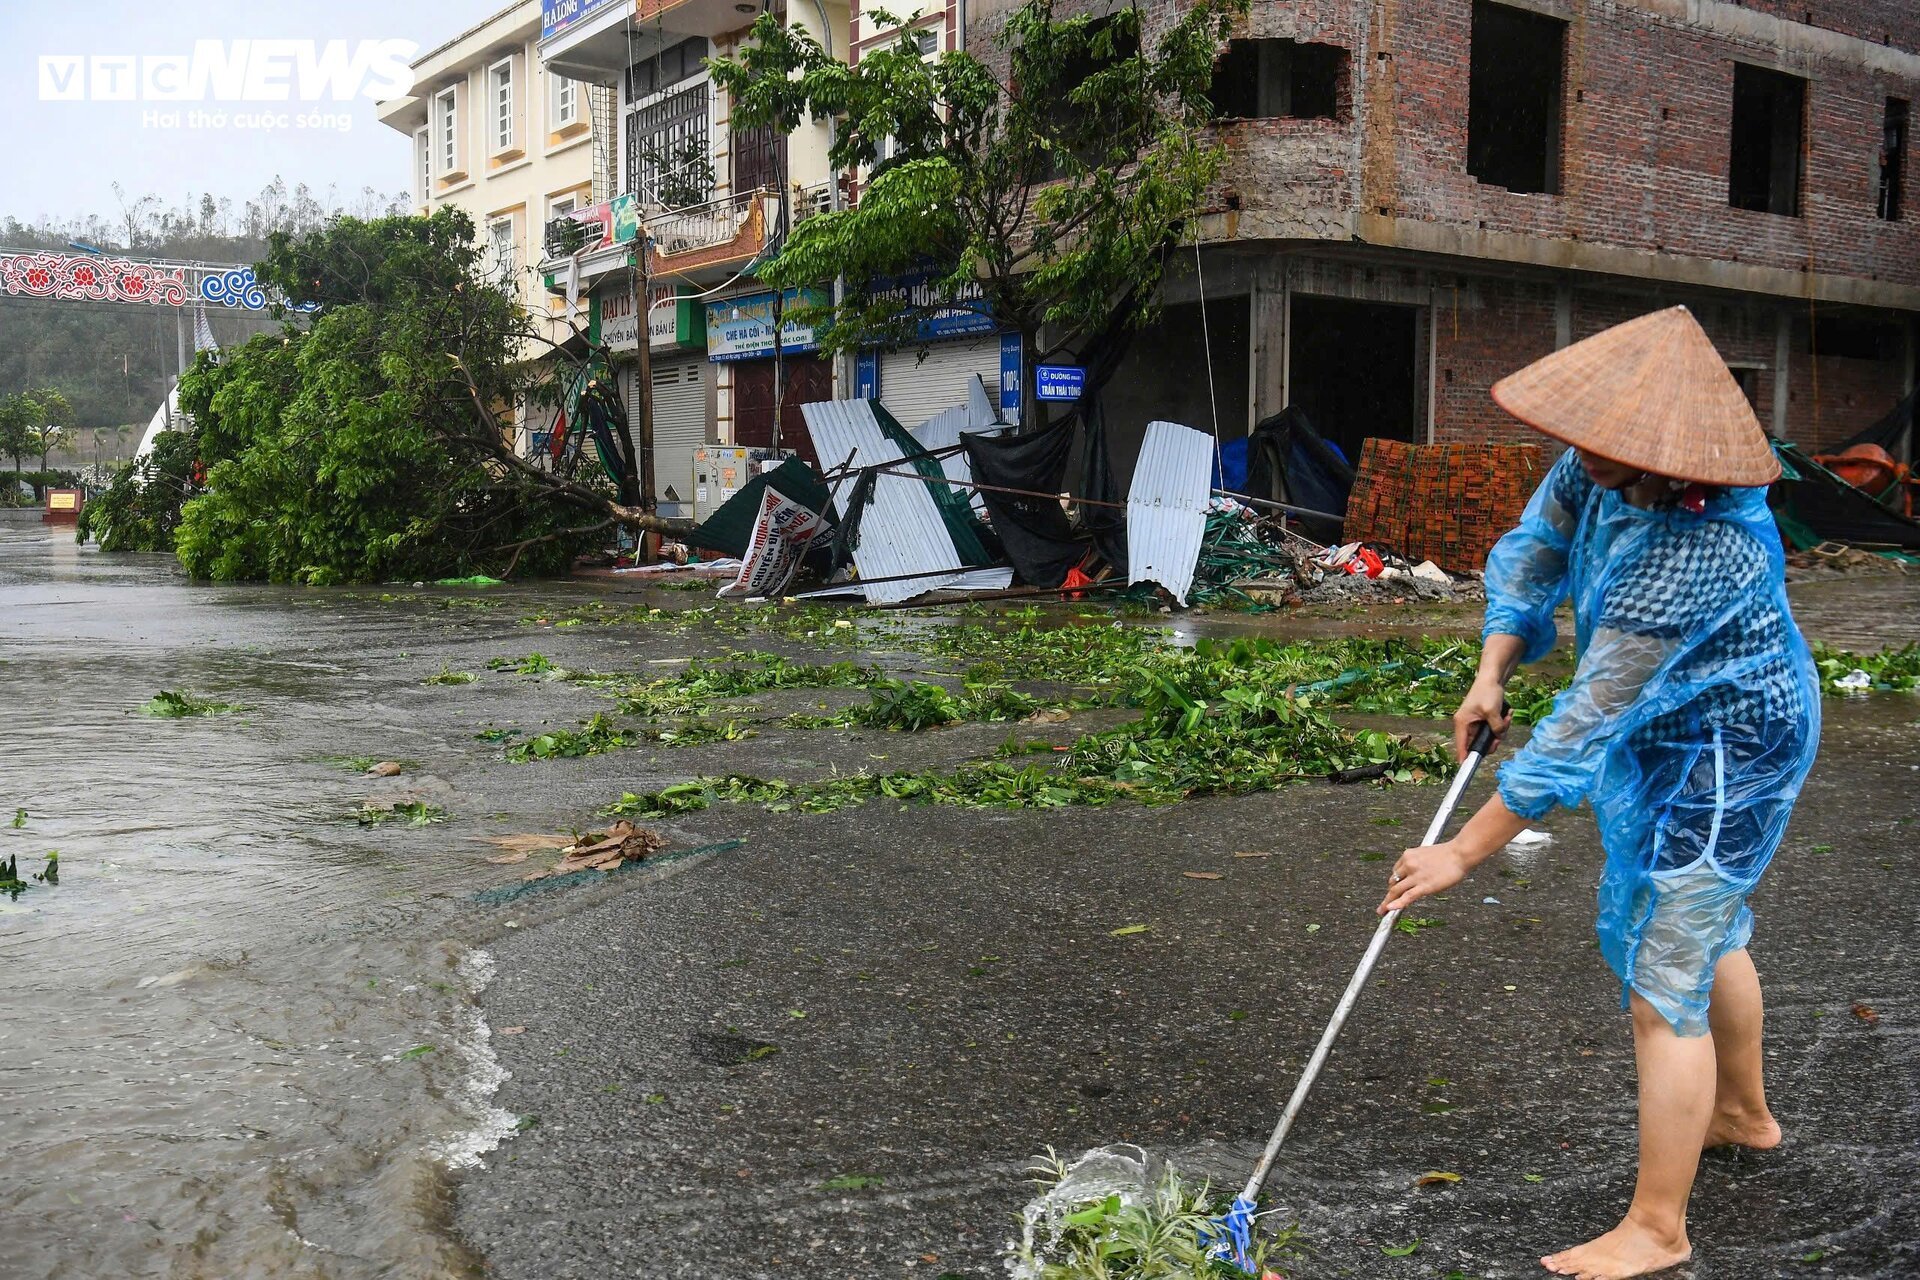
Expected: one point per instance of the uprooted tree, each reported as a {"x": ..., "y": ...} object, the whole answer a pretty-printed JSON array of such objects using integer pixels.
[
  {"x": 1050, "y": 199},
  {"x": 370, "y": 438}
]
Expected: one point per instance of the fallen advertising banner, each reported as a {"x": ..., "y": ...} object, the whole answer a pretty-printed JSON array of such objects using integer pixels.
[{"x": 780, "y": 537}]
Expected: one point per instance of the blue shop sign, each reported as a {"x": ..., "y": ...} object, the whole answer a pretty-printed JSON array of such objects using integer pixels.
[
  {"x": 558, "y": 15},
  {"x": 967, "y": 314},
  {"x": 1010, "y": 377},
  {"x": 742, "y": 328},
  {"x": 1059, "y": 382}
]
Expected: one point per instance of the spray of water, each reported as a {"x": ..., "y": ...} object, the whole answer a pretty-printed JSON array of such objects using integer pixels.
[{"x": 1123, "y": 1170}]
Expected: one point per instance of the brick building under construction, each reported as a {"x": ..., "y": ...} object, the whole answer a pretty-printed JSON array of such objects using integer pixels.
[{"x": 1423, "y": 195}]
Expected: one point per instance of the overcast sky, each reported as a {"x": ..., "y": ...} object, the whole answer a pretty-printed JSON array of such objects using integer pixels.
[{"x": 62, "y": 156}]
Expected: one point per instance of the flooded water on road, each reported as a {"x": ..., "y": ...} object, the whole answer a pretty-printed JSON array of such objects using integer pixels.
[
  {"x": 242, "y": 1035},
  {"x": 206, "y": 1054}
]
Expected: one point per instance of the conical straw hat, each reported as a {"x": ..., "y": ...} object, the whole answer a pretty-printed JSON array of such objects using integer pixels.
[{"x": 1651, "y": 393}]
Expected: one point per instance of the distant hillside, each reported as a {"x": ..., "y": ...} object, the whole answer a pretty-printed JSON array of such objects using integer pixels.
[{"x": 115, "y": 362}]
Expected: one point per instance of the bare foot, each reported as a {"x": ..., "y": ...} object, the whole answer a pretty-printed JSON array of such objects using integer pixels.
[
  {"x": 1628, "y": 1250},
  {"x": 1757, "y": 1132}
]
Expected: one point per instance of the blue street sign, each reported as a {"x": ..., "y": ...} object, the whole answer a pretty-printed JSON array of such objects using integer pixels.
[
  {"x": 1010, "y": 377},
  {"x": 1059, "y": 382},
  {"x": 866, "y": 376}
]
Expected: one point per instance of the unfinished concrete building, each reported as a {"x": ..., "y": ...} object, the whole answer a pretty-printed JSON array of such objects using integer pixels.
[{"x": 1423, "y": 195}]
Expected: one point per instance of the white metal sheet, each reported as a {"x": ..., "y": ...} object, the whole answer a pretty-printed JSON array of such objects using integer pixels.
[
  {"x": 913, "y": 388},
  {"x": 902, "y": 536},
  {"x": 944, "y": 429},
  {"x": 1167, "y": 506}
]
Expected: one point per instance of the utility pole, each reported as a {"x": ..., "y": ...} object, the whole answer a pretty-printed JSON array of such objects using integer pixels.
[{"x": 643, "y": 316}]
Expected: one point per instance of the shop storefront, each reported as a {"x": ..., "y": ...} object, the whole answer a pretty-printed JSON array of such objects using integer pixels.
[
  {"x": 739, "y": 334},
  {"x": 957, "y": 344},
  {"x": 682, "y": 389}
]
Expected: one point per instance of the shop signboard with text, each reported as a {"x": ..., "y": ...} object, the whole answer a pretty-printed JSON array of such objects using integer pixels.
[
  {"x": 558, "y": 15},
  {"x": 671, "y": 321},
  {"x": 742, "y": 328},
  {"x": 961, "y": 317}
]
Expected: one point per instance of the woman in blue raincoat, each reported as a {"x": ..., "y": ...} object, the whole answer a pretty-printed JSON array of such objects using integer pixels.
[{"x": 1689, "y": 727}]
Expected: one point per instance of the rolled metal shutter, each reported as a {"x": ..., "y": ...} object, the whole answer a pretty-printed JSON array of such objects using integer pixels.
[
  {"x": 913, "y": 390},
  {"x": 679, "y": 427}
]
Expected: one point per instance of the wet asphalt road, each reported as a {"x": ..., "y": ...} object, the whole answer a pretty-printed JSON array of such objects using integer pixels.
[
  {"x": 223, "y": 1088},
  {"x": 945, "y": 999}
]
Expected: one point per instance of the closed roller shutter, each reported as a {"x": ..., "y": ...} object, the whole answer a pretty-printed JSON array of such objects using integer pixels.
[
  {"x": 679, "y": 427},
  {"x": 913, "y": 390}
]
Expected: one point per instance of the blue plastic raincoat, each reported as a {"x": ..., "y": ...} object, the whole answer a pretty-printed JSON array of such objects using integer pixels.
[{"x": 1690, "y": 724}]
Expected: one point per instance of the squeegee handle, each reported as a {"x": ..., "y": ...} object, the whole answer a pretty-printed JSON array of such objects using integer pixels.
[{"x": 1483, "y": 740}]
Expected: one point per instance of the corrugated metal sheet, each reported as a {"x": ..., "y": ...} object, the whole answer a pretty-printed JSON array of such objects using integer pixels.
[
  {"x": 943, "y": 431},
  {"x": 901, "y": 532},
  {"x": 1167, "y": 506}
]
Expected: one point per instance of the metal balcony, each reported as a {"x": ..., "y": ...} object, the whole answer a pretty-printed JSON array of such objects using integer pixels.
[{"x": 720, "y": 233}]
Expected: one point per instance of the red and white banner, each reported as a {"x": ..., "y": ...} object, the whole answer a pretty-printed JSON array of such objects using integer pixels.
[{"x": 781, "y": 534}]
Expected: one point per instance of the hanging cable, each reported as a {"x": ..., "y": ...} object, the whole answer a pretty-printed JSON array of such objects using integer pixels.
[{"x": 1206, "y": 335}]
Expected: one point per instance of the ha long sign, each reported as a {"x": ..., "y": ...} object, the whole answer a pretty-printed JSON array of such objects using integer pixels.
[{"x": 95, "y": 278}]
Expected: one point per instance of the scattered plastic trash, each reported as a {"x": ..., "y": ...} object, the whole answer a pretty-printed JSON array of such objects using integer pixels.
[
  {"x": 1530, "y": 839},
  {"x": 1855, "y": 681}
]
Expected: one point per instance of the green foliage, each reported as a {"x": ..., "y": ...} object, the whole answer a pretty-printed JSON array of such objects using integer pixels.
[
  {"x": 534, "y": 664},
  {"x": 596, "y": 736},
  {"x": 414, "y": 813},
  {"x": 446, "y": 675},
  {"x": 1163, "y": 1237},
  {"x": 1053, "y": 204},
  {"x": 141, "y": 508},
  {"x": 176, "y": 704},
  {"x": 356, "y": 448},
  {"x": 1890, "y": 669}
]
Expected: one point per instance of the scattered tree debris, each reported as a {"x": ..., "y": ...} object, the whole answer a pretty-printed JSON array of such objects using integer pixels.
[
  {"x": 416, "y": 813},
  {"x": 175, "y": 704},
  {"x": 622, "y": 842}
]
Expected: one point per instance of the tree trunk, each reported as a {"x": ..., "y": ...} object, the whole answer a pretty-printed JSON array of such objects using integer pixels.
[{"x": 1029, "y": 389}]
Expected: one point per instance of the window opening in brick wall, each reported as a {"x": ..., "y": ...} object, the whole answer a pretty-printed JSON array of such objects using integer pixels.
[
  {"x": 1358, "y": 369},
  {"x": 1514, "y": 92},
  {"x": 1261, "y": 79},
  {"x": 1893, "y": 159},
  {"x": 1854, "y": 337},
  {"x": 1769, "y": 132}
]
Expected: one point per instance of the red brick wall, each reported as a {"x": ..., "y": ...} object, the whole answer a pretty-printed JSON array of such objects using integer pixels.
[
  {"x": 1894, "y": 22},
  {"x": 1499, "y": 326},
  {"x": 1648, "y": 111},
  {"x": 1484, "y": 329}
]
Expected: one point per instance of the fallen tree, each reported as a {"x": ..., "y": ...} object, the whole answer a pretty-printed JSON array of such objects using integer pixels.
[{"x": 371, "y": 437}]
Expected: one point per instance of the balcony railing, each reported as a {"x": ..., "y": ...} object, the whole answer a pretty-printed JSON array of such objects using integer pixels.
[
  {"x": 718, "y": 233},
  {"x": 731, "y": 228}
]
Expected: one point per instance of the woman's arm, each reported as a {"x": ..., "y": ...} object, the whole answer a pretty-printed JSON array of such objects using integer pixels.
[
  {"x": 1527, "y": 570},
  {"x": 1486, "y": 701},
  {"x": 1435, "y": 868}
]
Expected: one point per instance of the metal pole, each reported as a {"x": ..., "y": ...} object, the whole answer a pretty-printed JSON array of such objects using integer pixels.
[
  {"x": 643, "y": 314},
  {"x": 180, "y": 336}
]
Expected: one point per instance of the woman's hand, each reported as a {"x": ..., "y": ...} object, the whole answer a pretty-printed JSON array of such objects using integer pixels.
[
  {"x": 1430, "y": 869},
  {"x": 1485, "y": 703}
]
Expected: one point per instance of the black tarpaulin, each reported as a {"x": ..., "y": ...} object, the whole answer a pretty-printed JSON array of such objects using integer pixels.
[
  {"x": 1038, "y": 538},
  {"x": 1289, "y": 462},
  {"x": 1835, "y": 510},
  {"x": 1894, "y": 433}
]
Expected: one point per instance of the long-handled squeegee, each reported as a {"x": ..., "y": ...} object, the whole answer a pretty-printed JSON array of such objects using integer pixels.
[{"x": 1234, "y": 1237}]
